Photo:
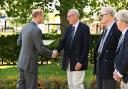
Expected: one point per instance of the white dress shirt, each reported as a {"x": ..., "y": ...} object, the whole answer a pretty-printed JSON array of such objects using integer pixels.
[{"x": 76, "y": 26}]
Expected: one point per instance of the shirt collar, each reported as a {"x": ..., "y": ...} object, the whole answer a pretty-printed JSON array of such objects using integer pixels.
[
  {"x": 123, "y": 33},
  {"x": 110, "y": 25},
  {"x": 76, "y": 24}
]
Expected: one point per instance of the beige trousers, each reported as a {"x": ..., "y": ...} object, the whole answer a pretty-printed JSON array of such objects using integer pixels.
[{"x": 75, "y": 79}]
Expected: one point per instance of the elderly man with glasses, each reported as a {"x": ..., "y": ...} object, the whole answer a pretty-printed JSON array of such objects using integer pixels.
[
  {"x": 76, "y": 46},
  {"x": 121, "y": 58},
  {"x": 105, "y": 50}
]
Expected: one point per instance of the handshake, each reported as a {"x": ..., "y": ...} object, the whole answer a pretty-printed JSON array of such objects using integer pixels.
[{"x": 55, "y": 54}]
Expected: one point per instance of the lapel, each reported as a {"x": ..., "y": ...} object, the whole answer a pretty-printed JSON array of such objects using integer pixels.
[
  {"x": 98, "y": 42},
  {"x": 108, "y": 36},
  {"x": 126, "y": 34},
  {"x": 69, "y": 35},
  {"x": 77, "y": 33}
]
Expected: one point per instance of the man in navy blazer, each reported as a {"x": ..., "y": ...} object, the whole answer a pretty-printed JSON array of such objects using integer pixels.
[
  {"x": 105, "y": 50},
  {"x": 121, "y": 58},
  {"x": 76, "y": 46}
]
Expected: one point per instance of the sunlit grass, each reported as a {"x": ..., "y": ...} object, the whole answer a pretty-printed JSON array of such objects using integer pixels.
[
  {"x": 47, "y": 71},
  {"x": 5, "y": 67}
]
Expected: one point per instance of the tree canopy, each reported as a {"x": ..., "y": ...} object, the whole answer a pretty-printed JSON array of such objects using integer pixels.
[{"x": 21, "y": 9}]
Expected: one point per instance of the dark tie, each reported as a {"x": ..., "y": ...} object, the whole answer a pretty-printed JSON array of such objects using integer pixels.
[
  {"x": 103, "y": 36},
  {"x": 102, "y": 41},
  {"x": 73, "y": 31},
  {"x": 72, "y": 34}
]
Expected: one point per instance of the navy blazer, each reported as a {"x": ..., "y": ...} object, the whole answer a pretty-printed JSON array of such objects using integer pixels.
[
  {"x": 121, "y": 58},
  {"x": 106, "y": 59},
  {"x": 78, "y": 51}
]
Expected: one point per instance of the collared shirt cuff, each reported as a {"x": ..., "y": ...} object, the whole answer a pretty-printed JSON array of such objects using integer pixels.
[{"x": 119, "y": 74}]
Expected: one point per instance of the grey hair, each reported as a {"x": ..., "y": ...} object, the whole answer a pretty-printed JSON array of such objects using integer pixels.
[
  {"x": 37, "y": 12},
  {"x": 74, "y": 11},
  {"x": 109, "y": 10},
  {"x": 122, "y": 15}
]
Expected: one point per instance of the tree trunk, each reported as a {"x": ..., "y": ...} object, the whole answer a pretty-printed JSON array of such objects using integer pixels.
[
  {"x": 2, "y": 61},
  {"x": 64, "y": 22}
]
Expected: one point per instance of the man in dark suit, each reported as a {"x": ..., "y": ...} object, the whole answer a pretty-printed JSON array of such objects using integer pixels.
[
  {"x": 121, "y": 58},
  {"x": 105, "y": 50},
  {"x": 30, "y": 40},
  {"x": 76, "y": 46}
]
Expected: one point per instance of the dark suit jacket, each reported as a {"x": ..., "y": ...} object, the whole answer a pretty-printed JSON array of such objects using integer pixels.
[
  {"x": 78, "y": 51},
  {"x": 121, "y": 58},
  {"x": 31, "y": 43},
  {"x": 106, "y": 59}
]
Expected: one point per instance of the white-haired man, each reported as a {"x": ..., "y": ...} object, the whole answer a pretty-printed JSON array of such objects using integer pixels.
[
  {"x": 121, "y": 58},
  {"x": 76, "y": 46},
  {"x": 105, "y": 50}
]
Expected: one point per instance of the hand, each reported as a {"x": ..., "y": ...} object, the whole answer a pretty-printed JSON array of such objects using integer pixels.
[
  {"x": 78, "y": 66},
  {"x": 54, "y": 53},
  {"x": 116, "y": 76}
]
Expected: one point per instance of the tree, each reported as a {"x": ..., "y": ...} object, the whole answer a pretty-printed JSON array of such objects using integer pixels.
[{"x": 21, "y": 9}]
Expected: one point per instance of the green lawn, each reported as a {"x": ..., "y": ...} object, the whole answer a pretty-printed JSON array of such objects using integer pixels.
[{"x": 47, "y": 71}]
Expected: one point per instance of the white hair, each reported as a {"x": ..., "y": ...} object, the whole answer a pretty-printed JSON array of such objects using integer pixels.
[
  {"x": 74, "y": 11},
  {"x": 108, "y": 10},
  {"x": 122, "y": 15}
]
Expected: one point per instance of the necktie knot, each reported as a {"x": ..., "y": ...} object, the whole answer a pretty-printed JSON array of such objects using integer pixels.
[{"x": 73, "y": 28}]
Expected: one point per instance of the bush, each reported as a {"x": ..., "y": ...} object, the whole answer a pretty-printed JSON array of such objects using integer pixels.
[
  {"x": 8, "y": 83},
  {"x": 9, "y": 51},
  {"x": 93, "y": 85},
  {"x": 52, "y": 83}
]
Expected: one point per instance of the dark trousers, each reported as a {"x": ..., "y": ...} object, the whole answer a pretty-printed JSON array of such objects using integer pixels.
[
  {"x": 104, "y": 83},
  {"x": 27, "y": 80}
]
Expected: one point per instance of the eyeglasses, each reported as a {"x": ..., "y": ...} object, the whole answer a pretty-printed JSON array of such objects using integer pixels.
[
  {"x": 70, "y": 15},
  {"x": 103, "y": 15}
]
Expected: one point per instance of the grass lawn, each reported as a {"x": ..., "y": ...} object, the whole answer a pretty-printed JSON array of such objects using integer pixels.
[{"x": 47, "y": 71}]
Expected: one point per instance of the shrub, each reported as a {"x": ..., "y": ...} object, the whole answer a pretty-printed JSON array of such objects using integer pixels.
[
  {"x": 9, "y": 51},
  {"x": 52, "y": 83}
]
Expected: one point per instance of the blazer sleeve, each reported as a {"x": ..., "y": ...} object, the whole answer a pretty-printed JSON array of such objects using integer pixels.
[
  {"x": 62, "y": 42},
  {"x": 38, "y": 42},
  {"x": 86, "y": 42}
]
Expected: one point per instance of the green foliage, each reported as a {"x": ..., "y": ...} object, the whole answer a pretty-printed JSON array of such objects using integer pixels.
[
  {"x": 94, "y": 39},
  {"x": 21, "y": 9},
  {"x": 51, "y": 36},
  {"x": 8, "y": 83},
  {"x": 51, "y": 76},
  {"x": 9, "y": 51}
]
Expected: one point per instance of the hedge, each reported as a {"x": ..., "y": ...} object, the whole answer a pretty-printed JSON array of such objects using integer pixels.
[{"x": 9, "y": 51}]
